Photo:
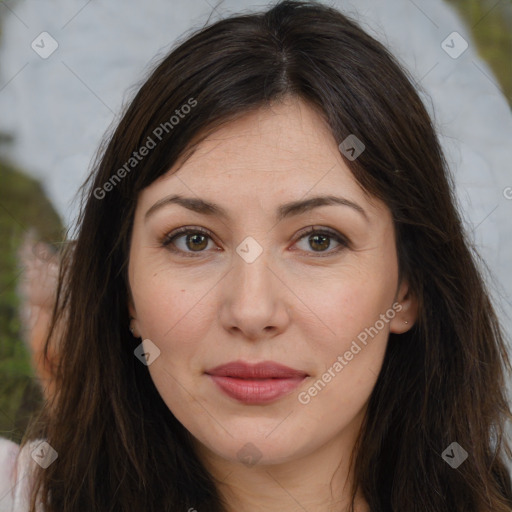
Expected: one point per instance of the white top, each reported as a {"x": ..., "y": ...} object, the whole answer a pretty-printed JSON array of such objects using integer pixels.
[{"x": 15, "y": 475}]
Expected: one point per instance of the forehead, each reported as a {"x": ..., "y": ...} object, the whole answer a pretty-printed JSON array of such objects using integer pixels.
[{"x": 285, "y": 151}]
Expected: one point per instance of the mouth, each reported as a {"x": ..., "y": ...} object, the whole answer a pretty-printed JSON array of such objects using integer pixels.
[{"x": 256, "y": 384}]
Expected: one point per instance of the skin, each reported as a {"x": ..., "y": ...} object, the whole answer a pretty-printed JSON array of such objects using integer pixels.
[
  {"x": 38, "y": 293},
  {"x": 300, "y": 303}
]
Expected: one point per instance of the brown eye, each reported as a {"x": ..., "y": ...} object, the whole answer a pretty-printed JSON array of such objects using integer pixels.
[
  {"x": 187, "y": 241},
  {"x": 321, "y": 241},
  {"x": 196, "y": 241}
]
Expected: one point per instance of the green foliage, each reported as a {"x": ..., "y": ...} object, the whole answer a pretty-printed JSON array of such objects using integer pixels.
[
  {"x": 23, "y": 205},
  {"x": 490, "y": 22}
]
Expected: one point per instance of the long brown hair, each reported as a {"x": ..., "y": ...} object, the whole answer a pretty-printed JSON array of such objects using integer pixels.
[{"x": 120, "y": 447}]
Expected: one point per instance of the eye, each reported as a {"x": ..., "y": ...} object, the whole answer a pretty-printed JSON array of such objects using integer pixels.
[
  {"x": 320, "y": 240},
  {"x": 196, "y": 240}
]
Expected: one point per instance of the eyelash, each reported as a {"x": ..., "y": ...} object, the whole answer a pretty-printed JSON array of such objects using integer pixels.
[{"x": 167, "y": 240}]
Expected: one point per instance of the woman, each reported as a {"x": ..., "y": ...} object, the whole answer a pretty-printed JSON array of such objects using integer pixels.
[
  {"x": 271, "y": 304},
  {"x": 36, "y": 290}
]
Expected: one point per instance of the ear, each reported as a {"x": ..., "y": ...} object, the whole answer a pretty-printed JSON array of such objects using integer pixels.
[
  {"x": 406, "y": 312},
  {"x": 133, "y": 318}
]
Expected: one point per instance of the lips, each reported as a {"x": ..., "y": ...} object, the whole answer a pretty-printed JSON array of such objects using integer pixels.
[
  {"x": 264, "y": 370},
  {"x": 259, "y": 383}
]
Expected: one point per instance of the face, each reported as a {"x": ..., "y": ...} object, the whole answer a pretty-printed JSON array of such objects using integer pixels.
[{"x": 265, "y": 274}]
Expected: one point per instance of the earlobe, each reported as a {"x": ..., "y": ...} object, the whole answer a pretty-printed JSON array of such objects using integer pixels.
[
  {"x": 133, "y": 328},
  {"x": 133, "y": 320},
  {"x": 407, "y": 313}
]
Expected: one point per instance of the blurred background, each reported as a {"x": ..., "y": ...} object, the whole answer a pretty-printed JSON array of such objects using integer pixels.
[{"x": 67, "y": 67}]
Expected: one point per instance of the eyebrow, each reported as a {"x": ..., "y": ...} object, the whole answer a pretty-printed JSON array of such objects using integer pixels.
[{"x": 284, "y": 211}]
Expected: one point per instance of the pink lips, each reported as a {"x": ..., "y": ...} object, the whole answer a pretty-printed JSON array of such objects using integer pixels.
[{"x": 256, "y": 383}]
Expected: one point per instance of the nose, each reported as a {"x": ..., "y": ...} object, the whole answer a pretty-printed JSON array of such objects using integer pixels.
[{"x": 255, "y": 299}]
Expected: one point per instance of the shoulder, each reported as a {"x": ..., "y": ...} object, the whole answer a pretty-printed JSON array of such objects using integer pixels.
[
  {"x": 16, "y": 467},
  {"x": 8, "y": 453}
]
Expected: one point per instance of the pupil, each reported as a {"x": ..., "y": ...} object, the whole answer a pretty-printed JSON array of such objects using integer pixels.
[
  {"x": 196, "y": 240},
  {"x": 314, "y": 239}
]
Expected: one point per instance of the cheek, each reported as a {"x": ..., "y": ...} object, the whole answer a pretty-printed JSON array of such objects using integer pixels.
[
  {"x": 349, "y": 337},
  {"x": 348, "y": 358},
  {"x": 174, "y": 313},
  {"x": 344, "y": 306},
  {"x": 160, "y": 294},
  {"x": 174, "y": 318},
  {"x": 166, "y": 311}
]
